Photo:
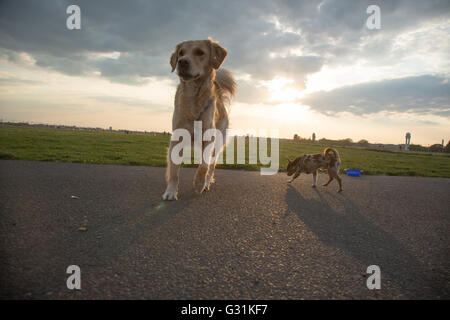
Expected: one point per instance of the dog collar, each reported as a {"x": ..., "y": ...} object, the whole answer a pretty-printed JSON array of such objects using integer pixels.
[{"x": 210, "y": 100}]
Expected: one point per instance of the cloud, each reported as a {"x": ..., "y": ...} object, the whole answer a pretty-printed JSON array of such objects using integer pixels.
[
  {"x": 131, "y": 102},
  {"x": 13, "y": 81},
  {"x": 419, "y": 95},
  {"x": 250, "y": 92},
  {"x": 287, "y": 38}
]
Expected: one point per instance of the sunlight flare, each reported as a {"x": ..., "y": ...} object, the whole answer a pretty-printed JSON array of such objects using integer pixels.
[{"x": 282, "y": 90}]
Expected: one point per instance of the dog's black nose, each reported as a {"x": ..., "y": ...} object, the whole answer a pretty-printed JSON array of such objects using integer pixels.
[{"x": 183, "y": 63}]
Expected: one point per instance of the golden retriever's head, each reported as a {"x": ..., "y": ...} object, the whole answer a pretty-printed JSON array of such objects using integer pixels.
[{"x": 197, "y": 58}]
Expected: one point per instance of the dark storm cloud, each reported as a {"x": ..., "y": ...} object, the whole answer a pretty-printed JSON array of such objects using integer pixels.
[
  {"x": 265, "y": 38},
  {"x": 419, "y": 95}
]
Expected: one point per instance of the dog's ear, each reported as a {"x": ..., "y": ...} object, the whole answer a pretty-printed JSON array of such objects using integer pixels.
[
  {"x": 218, "y": 54},
  {"x": 174, "y": 58},
  {"x": 289, "y": 160}
]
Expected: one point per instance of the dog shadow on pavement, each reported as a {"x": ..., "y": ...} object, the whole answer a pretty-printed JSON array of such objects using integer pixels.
[{"x": 351, "y": 231}]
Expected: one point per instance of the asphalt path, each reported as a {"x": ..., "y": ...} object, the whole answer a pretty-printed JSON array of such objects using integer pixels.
[{"x": 250, "y": 237}]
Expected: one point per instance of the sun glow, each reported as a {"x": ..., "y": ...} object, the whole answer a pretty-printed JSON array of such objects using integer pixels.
[{"x": 282, "y": 90}]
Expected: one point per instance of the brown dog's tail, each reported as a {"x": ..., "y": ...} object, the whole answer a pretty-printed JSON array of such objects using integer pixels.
[
  {"x": 226, "y": 83},
  {"x": 335, "y": 159}
]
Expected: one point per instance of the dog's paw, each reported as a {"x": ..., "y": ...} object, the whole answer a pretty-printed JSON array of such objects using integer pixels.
[
  {"x": 207, "y": 186},
  {"x": 209, "y": 182},
  {"x": 199, "y": 183},
  {"x": 199, "y": 186},
  {"x": 170, "y": 194},
  {"x": 340, "y": 190},
  {"x": 200, "y": 179},
  {"x": 314, "y": 186},
  {"x": 289, "y": 181}
]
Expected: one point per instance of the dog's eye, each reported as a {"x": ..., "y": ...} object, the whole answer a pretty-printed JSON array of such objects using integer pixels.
[
  {"x": 181, "y": 53},
  {"x": 199, "y": 52}
]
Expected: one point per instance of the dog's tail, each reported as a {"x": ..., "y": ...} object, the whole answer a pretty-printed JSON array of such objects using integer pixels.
[
  {"x": 226, "y": 83},
  {"x": 335, "y": 159}
]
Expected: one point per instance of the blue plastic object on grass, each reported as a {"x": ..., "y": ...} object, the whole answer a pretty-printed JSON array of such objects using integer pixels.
[{"x": 353, "y": 172}]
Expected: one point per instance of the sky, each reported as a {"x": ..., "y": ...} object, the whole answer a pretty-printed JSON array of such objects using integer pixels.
[{"x": 301, "y": 66}]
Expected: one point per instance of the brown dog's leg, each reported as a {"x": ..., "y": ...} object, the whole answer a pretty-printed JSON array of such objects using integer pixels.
[
  {"x": 336, "y": 175},
  {"x": 295, "y": 176},
  {"x": 340, "y": 183},
  {"x": 329, "y": 180},
  {"x": 172, "y": 173},
  {"x": 314, "y": 179}
]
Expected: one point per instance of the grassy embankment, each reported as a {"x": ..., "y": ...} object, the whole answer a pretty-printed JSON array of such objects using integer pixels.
[{"x": 44, "y": 144}]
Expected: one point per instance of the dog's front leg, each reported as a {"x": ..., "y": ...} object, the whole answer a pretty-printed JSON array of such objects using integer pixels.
[
  {"x": 210, "y": 178},
  {"x": 172, "y": 173},
  {"x": 314, "y": 179},
  {"x": 295, "y": 176},
  {"x": 202, "y": 172}
]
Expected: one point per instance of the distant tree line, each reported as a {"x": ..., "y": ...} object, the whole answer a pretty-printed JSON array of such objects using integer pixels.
[
  {"x": 66, "y": 127},
  {"x": 434, "y": 148},
  {"x": 343, "y": 142},
  {"x": 366, "y": 144}
]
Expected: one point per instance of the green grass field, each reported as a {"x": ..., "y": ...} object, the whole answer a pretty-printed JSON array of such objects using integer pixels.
[{"x": 29, "y": 143}]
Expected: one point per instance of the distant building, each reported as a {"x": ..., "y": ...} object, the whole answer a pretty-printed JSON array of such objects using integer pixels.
[{"x": 407, "y": 140}]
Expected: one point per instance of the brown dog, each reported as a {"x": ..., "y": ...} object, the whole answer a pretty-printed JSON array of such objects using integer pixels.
[
  {"x": 311, "y": 163},
  {"x": 202, "y": 95}
]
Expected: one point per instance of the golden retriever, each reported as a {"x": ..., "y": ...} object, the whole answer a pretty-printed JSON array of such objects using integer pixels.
[{"x": 203, "y": 94}]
